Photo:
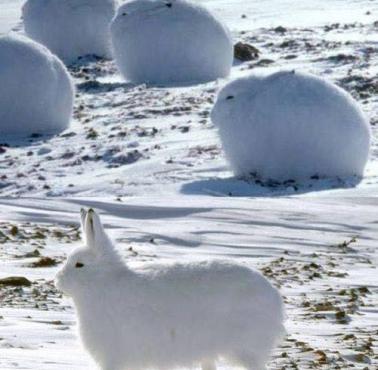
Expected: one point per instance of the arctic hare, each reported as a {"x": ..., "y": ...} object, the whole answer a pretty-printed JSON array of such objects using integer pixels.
[{"x": 164, "y": 316}]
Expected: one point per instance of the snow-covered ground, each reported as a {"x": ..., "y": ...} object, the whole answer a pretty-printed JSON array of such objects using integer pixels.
[
  {"x": 150, "y": 160},
  {"x": 10, "y": 12},
  {"x": 330, "y": 288},
  {"x": 261, "y": 13}
]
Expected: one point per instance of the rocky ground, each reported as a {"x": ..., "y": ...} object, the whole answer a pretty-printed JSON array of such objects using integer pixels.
[
  {"x": 128, "y": 138},
  {"x": 128, "y": 141}
]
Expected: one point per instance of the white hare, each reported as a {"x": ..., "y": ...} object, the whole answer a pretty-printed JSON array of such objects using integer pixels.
[{"x": 164, "y": 316}]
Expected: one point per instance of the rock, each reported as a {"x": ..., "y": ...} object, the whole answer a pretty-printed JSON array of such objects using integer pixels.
[
  {"x": 280, "y": 29},
  {"x": 245, "y": 52},
  {"x": 92, "y": 134},
  {"x": 45, "y": 262},
  {"x": 15, "y": 281},
  {"x": 14, "y": 230},
  {"x": 33, "y": 254},
  {"x": 263, "y": 62},
  {"x": 347, "y": 58}
]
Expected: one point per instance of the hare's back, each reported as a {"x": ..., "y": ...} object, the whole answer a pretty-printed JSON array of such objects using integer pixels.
[{"x": 218, "y": 282}]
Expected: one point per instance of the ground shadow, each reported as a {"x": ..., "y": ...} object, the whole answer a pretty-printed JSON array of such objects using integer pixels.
[
  {"x": 236, "y": 187},
  {"x": 85, "y": 60},
  {"x": 12, "y": 141},
  {"x": 177, "y": 84},
  {"x": 95, "y": 86},
  {"x": 139, "y": 212}
]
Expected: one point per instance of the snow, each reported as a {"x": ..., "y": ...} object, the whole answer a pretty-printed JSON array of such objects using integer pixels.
[
  {"x": 150, "y": 161},
  {"x": 36, "y": 92},
  {"x": 291, "y": 13},
  {"x": 162, "y": 42},
  {"x": 262, "y": 13},
  {"x": 122, "y": 307},
  {"x": 291, "y": 125},
  {"x": 71, "y": 28},
  {"x": 293, "y": 237},
  {"x": 10, "y": 14}
]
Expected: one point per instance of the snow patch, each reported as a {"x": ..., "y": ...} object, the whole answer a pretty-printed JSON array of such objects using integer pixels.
[
  {"x": 36, "y": 92},
  {"x": 168, "y": 42},
  {"x": 291, "y": 125},
  {"x": 71, "y": 28}
]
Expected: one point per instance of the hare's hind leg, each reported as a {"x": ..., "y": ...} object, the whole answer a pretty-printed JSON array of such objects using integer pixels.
[{"x": 208, "y": 365}]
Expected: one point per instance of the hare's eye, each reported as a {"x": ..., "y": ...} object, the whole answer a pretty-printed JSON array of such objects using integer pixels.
[
  {"x": 79, "y": 265},
  {"x": 230, "y": 97}
]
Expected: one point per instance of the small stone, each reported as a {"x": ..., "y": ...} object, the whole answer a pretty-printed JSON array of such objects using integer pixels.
[
  {"x": 15, "y": 281},
  {"x": 45, "y": 262},
  {"x": 280, "y": 29},
  {"x": 14, "y": 230},
  {"x": 245, "y": 52}
]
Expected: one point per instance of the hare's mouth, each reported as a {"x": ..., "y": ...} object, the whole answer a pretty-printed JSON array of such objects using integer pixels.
[{"x": 62, "y": 284}]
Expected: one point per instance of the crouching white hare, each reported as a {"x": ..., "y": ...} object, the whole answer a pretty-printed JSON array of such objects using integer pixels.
[{"x": 165, "y": 316}]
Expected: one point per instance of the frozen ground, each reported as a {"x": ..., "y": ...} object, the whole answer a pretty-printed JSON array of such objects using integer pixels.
[{"x": 150, "y": 160}]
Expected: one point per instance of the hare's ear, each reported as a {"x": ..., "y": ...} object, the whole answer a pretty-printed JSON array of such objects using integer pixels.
[
  {"x": 96, "y": 236},
  {"x": 83, "y": 215}
]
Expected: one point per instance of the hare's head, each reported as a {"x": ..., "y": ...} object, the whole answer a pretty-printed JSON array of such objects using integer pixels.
[{"x": 96, "y": 259}]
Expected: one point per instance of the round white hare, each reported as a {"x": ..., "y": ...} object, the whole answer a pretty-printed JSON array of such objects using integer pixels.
[
  {"x": 170, "y": 41},
  {"x": 165, "y": 316},
  {"x": 291, "y": 125},
  {"x": 71, "y": 28},
  {"x": 36, "y": 91}
]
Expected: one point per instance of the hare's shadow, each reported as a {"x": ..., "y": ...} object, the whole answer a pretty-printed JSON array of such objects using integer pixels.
[
  {"x": 140, "y": 212},
  {"x": 232, "y": 186},
  {"x": 96, "y": 86},
  {"x": 14, "y": 141}
]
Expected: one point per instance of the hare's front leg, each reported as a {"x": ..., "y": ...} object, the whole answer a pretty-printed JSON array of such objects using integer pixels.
[{"x": 208, "y": 365}]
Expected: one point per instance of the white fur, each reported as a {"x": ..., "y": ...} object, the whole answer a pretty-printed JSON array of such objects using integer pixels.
[
  {"x": 164, "y": 316},
  {"x": 291, "y": 125},
  {"x": 36, "y": 91},
  {"x": 170, "y": 41},
  {"x": 71, "y": 28}
]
